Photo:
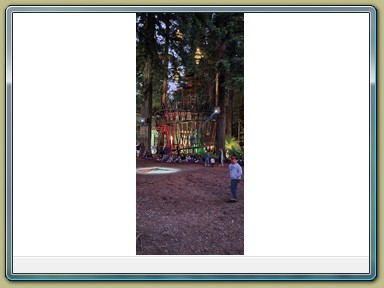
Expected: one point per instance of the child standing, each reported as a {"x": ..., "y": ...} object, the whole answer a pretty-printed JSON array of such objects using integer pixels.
[
  {"x": 206, "y": 157},
  {"x": 234, "y": 173}
]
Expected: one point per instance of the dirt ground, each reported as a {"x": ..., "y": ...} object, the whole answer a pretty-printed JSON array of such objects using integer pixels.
[{"x": 187, "y": 213}]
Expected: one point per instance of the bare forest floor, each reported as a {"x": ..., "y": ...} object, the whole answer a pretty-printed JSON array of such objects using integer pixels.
[{"x": 187, "y": 213}]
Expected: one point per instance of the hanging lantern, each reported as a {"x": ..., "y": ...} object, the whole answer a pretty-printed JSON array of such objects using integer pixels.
[
  {"x": 177, "y": 75},
  {"x": 179, "y": 36},
  {"x": 198, "y": 56}
]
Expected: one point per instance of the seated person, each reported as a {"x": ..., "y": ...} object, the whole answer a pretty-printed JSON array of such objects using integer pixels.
[{"x": 148, "y": 155}]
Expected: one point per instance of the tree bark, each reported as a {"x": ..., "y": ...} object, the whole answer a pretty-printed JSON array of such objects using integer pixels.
[
  {"x": 165, "y": 61},
  {"x": 146, "y": 108},
  {"x": 241, "y": 119},
  {"x": 220, "y": 132},
  {"x": 228, "y": 114}
]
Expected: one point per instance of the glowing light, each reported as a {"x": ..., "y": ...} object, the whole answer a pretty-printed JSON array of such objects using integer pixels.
[
  {"x": 156, "y": 170},
  {"x": 198, "y": 56},
  {"x": 179, "y": 36}
]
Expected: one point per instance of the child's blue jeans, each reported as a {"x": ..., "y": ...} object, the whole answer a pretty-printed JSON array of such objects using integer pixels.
[{"x": 234, "y": 183}]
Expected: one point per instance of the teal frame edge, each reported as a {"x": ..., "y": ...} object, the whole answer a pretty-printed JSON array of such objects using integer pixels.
[{"x": 194, "y": 277}]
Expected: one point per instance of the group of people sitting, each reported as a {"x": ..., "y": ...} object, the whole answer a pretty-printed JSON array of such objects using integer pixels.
[
  {"x": 166, "y": 155},
  {"x": 180, "y": 158}
]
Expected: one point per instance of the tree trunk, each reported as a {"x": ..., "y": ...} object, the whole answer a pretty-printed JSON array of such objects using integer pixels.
[
  {"x": 165, "y": 62},
  {"x": 241, "y": 120},
  {"x": 160, "y": 140},
  {"x": 217, "y": 85},
  {"x": 228, "y": 114},
  {"x": 220, "y": 100},
  {"x": 146, "y": 108}
]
